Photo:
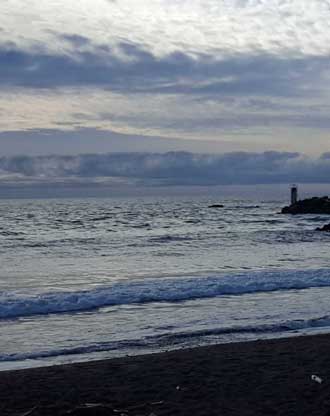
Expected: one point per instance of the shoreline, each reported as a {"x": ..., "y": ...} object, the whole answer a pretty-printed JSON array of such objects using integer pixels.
[
  {"x": 264, "y": 377},
  {"x": 43, "y": 364}
]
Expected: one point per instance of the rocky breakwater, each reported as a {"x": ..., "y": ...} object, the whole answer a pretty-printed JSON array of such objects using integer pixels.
[
  {"x": 325, "y": 228},
  {"x": 315, "y": 205}
]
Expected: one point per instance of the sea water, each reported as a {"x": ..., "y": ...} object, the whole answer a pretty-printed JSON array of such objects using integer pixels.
[{"x": 86, "y": 279}]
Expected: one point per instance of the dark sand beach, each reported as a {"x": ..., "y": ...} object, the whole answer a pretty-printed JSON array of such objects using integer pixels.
[{"x": 256, "y": 378}]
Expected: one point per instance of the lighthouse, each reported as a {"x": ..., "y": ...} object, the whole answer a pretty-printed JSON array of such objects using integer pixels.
[{"x": 294, "y": 194}]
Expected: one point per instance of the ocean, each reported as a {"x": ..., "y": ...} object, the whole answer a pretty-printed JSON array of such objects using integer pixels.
[{"x": 87, "y": 279}]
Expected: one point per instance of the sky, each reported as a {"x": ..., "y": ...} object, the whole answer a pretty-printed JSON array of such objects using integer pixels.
[{"x": 155, "y": 76}]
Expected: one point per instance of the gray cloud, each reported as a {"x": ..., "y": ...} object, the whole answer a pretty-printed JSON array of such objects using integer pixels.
[
  {"x": 173, "y": 168},
  {"x": 37, "y": 142},
  {"x": 250, "y": 73},
  {"x": 132, "y": 68}
]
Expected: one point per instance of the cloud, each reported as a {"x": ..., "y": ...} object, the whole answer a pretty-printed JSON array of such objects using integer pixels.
[
  {"x": 132, "y": 69},
  {"x": 55, "y": 141},
  {"x": 197, "y": 69},
  {"x": 171, "y": 169},
  {"x": 295, "y": 26},
  {"x": 285, "y": 121}
]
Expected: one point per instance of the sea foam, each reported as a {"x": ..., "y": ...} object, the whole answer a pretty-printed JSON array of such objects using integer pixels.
[
  {"x": 15, "y": 305},
  {"x": 172, "y": 340}
]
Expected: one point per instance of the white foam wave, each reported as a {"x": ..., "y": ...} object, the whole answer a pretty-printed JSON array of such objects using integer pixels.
[
  {"x": 13, "y": 305},
  {"x": 172, "y": 339}
]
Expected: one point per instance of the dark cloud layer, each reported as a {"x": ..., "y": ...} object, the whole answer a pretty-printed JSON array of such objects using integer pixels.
[
  {"x": 173, "y": 168},
  {"x": 135, "y": 69}
]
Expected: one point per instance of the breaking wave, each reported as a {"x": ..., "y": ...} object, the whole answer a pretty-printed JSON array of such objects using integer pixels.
[{"x": 15, "y": 305}]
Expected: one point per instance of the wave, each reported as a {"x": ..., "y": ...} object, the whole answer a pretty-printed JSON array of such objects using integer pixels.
[
  {"x": 173, "y": 339},
  {"x": 15, "y": 305},
  {"x": 321, "y": 218},
  {"x": 246, "y": 207},
  {"x": 170, "y": 239}
]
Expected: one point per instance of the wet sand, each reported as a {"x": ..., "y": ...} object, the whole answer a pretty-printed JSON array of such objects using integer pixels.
[{"x": 256, "y": 378}]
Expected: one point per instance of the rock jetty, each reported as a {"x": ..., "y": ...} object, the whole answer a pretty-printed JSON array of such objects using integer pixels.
[
  {"x": 325, "y": 228},
  {"x": 315, "y": 205}
]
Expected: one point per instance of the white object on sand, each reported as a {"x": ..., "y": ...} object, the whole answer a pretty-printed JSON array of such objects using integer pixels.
[{"x": 317, "y": 379}]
